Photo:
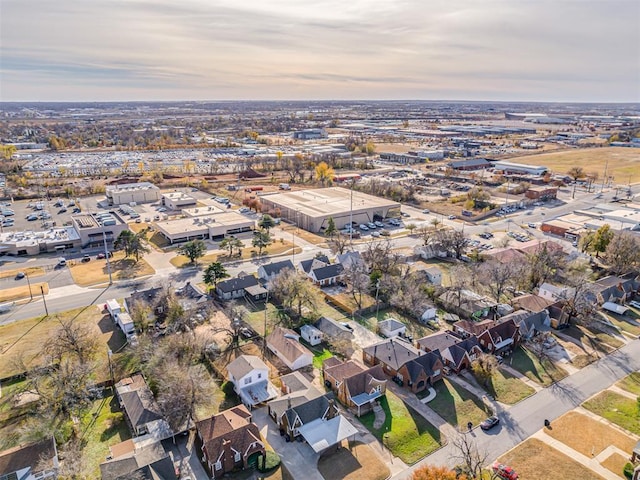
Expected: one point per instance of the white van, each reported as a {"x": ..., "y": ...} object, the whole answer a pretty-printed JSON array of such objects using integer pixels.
[
  {"x": 284, "y": 186},
  {"x": 62, "y": 262}
]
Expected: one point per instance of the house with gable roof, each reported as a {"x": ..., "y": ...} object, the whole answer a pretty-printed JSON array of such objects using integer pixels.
[
  {"x": 38, "y": 460},
  {"x": 457, "y": 353},
  {"x": 139, "y": 406},
  {"x": 229, "y": 441},
  {"x": 269, "y": 271},
  {"x": 321, "y": 271},
  {"x": 295, "y": 390},
  {"x": 285, "y": 344},
  {"x": 501, "y": 338},
  {"x": 250, "y": 378}
]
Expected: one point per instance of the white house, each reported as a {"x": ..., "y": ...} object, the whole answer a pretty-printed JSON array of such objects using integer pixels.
[
  {"x": 429, "y": 314},
  {"x": 434, "y": 275},
  {"x": 250, "y": 378},
  {"x": 311, "y": 334},
  {"x": 554, "y": 293},
  {"x": 269, "y": 271},
  {"x": 284, "y": 343},
  {"x": 391, "y": 328}
]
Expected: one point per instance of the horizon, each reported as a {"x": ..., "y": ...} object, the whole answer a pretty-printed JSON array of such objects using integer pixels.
[{"x": 564, "y": 51}]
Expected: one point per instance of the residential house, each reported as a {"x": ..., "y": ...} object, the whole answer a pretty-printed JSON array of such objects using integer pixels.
[
  {"x": 311, "y": 334},
  {"x": 34, "y": 461},
  {"x": 228, "y": 442},
  {"x": 467, "y": 328},
  {"x": 391, "y": 328},
  {"x": 457, "y": 353},
  {"x": 501, "y": 338},
  {"x": 554, "y": 293},
  {"x": 531, "y": 303},
  {"x": 467, "y": 303},
  {"x": 404, "y": 362},
  {"x": 321, "y": 271},
  {"x": 296, "y": 390},
  {"x": 333, "y": 329},
  {"x": 617, "y": 289},
  {"x": 192, "y": 299},
  {"x": 268, "y": 272},
  {"x": 140, "y": 460},
  {"x": 434, "y": 275},
  {"x": 151, "y": 298},
  {"x": 357, "y": 387},
  {"x": 140, "y": 408},
  {"x": 318, "y": 422},
  {"x": 348, "y": 259},
  {"x": 250, "y": 378},
  {"x": 530, "y": 324},
  {"x": 237, "y": 288},
  {"x": 285, "y": 344},
  {"x": 316, "y": 262}
]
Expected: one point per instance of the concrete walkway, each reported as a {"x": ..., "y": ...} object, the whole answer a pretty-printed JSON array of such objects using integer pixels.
[
  {"x": 462, "y": 381},
  {"x": 623, "y": 392},
  {"x": 590, "y": 463},
  {"x": 512, "y": 371},
  {"x": 445, "y": 428}
]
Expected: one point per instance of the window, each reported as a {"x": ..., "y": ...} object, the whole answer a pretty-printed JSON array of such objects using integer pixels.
[
  {"x": 218, "y": 465},
  {"x": 259, "y": 375},
  {"x": 247, "y": 381},
  {"x": 236, "y": 457},
  {"x": 436, "y": 373}
]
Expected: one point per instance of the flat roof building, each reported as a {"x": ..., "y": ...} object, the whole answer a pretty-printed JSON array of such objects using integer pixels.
[
  {"x": 126, "y": 193},
  {"x": 202, "y": 211},
  {"x": 208, "y": 227},
  {"x": 311, "y": 209},
  {"x": 510, "y": 167},
  {"x": 177, "y": 200},
  {"x": 94, "y": 228},
  {"x": 34, "y": 243}
]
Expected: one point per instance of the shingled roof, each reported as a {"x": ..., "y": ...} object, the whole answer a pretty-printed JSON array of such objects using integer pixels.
[
  {"x": 39, "y": 454},
  {"x": 285, "y": 341},
  {"x": 138, "y": 400}
]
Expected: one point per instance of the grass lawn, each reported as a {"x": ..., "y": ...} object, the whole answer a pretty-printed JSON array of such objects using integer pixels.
[
  {"x": 275, "y": 248},
  {"x": 617, "y": 409},
  {"x": 319, "y": 356},
  {"x": 95, "y": 271},
  {"x": 535, "y": 459},
  {"x": 544, "y": 373},
  {"x": 103, "y": 426},
  {"x": 30, "y": 271},
  {"x": 622, "y": 161},
  {"x": 405, "y": 432},
  {"x": 158, "y": 241},
  {"x": 18, "y": 293},
  {"x": 346, "y": 299},
  {"x": 603, "y": 342},
  {"x": 626, "y": 325},
  {"x": 304, "y": 235},
  {"x": 25, "y": 338},
  {"x": 588, "y": 436},
  {"x": 615, "y": 463},
  {"x": 508, "y": 389},
  {"x": 356, "y": 463},
  {"x": 631, "y": 383},
  {"x": 457, "y": 405}
]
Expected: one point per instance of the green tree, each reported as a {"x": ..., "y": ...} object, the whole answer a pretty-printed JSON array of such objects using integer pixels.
[
  {"x": 601, "y": 239},
  {"x": 193, "y": 250},
  {"x": 214, "y": 273},
  {"x": 261, "y": 240},
  {"x": 331, "y": 227},
  {"x": 267, "y": 222},
  {"x": 132, "y": 243},
  {"x": 232, "y": 243}
]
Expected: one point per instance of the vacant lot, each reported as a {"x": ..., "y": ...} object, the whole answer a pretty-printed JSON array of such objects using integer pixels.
[
  {"x": 588, "y": 436},
  {"x": 30, "y": 271},
  {"x": 457, "y": 405},
  {"x": 96, "y": 271},
  {"x": 508, "y": 389},
  {"x": 543, "y": 372},
  {"x": 617, "y": 409},
  {"x": 356, "y": 463},
  {"x": 24, "y": 339},
  {"x": 275, "y": 248},
  {"x": 405, "y": 432},
  {"x": 23, "y": 291},
  {"x": 631, "y": 383},
  {"x": 534, "y": 459},
  {"x": 623, "y": 162}
]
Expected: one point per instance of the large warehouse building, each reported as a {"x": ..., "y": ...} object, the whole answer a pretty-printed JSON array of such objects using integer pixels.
[
  {"x": 126, "y": 193},
  {"x": 205, "y": 227},
  {"x": 311, "y": 209}
]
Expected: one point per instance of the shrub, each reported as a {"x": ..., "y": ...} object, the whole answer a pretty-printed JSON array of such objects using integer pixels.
[
  {"x": 269, "y": 462},
  {"x": 628, "y": 470}
]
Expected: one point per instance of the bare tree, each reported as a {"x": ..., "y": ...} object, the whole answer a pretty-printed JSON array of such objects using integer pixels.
[
  {"x": 542, "y": 265},
  {"x": 294, "y": 291},
  {"x": 623, "y": 253},
  {"x": 453, "y": 241},
  {"x": 71, "y": 338},
  {"x": 497, "y": 276},
  {"x": 471, "y": 459},
  {"x": 357, "y": 280},
  {"x": 339, "y": 243},
  {"x": 379, "y": 256}
]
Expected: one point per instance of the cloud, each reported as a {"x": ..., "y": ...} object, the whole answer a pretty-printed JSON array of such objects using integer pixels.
[{"x": 268, "y": 49}]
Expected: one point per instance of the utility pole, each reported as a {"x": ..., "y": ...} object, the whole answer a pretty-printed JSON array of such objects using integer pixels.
[
  {"x": 46, "y": 310},
  {"x": 29, "y": 283},
  {"x": 264, "y": 339},
  {"x": 106, "y": 254}
]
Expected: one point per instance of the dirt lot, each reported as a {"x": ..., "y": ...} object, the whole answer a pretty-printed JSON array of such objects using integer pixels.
[
  {"x": 623, "y": 162},
  {"x": 356, "y": 463}
]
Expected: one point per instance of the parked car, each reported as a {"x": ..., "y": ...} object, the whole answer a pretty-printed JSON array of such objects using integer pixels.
[
  {"x": 101, "y": 256},
  {"x": 385, "y": 233},
  {"x": 162, "y": 209},
  {"x": 76, "y": 210},
  {"x": 32, "y": 217},
  {"x": 62, "y": 210},
  {"x": 86, "y": 258},
  {"x": 379, "y": 224},
  {"x": 363, "y": 227},
  {"x": 503, "y": 471},
  {"x": 375, "y": 234},
  {"x": 489, "y": 423},
  {"x": 426, "y": 210},
  {"x": 634, "y": 303},
  {"x": 451, "y": 217},
  {"x": 371, "y": 225},
  {"x": 531, "y": 225}
]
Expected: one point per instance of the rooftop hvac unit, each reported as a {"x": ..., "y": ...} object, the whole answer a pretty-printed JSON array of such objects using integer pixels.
[{"x": 109, "y": 222}]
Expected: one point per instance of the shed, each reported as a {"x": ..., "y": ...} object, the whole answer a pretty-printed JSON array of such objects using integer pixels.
[
  {"x": 311, "y": 334},
  {"x": 391, "y": 328}
]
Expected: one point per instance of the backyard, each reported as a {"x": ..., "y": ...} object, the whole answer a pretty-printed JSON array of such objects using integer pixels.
[
  {"x": 404, "y": 432},
  {"x": 617, "y": 409},
  {"x": 457, "y": 405},
  {"x": 544, "y": 371},
  {"x": 534, "y": 457}
]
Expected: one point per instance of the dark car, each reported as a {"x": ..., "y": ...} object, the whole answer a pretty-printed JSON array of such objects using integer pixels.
[
  {"x": 86, "y": 258},
  {"x": 20, "y": 275},
  {"x": 62, "y": 210},
  {"x": 76, "y": 210},
  {"x": 489, "y": 423}
]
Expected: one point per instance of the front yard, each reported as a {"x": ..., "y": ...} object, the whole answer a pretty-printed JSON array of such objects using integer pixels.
[
  {"x": 356, "y": 463},
  {"x": 534, "y": 457},
  {"x": 405, "y": 432},
  {"x": 616, "y": 408},
  {"x": 508, "y": 389},
  {"x": 631, "y": 383},
  {"x": 457, "y": 405},
  {"x": 544, "y": 372}
]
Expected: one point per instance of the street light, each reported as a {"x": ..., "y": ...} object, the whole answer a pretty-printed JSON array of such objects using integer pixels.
[
  {"x": 29, "y": 283},
  {"x": 46, "y": 310},
  {"x": 106, "y": 254}
]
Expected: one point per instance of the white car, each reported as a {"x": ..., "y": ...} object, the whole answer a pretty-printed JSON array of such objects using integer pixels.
[
  {"x": 634, "y": 303},
  {"x": 363, "y": 227}
]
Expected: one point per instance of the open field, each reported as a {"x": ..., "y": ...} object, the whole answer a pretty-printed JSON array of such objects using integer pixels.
[
  {"x": 588, "y": 436},
  {"x": 543, "y": 372},
  {"x": 623, "y": 162},
  {"x": 631, "y": 383},
  {"x": 18, "y": 293},
  {"x": 24, "y": 339},
  {"x": 457, "y": 405},
  {"x": 304, "y": 235},
  {"x": 358, "y": 462},
  {"x": 535, "y": 459},
  {"x": 95, "y": 271},
  {"x": 617, "y": 409},
  {"x": 405, "y": 432},
  {"x": 30, "y": 271}
]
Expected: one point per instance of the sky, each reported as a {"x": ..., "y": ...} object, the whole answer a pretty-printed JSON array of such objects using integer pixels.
[{"x": 509, "y": 50}]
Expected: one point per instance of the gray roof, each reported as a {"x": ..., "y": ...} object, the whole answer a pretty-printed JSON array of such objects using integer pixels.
[
  {"x": 140, "y": 407},
  {"x": 317, "y": 262},
  {"x": 295, "y": 382},
  {"x": 438, "y": 341},
  {"x": 310, "y": 410},
  {"x": 329, "y": 271},
  {"x": 235, "y": 284},
  {"x": 276, "y": 267},
  {"x": 393, "y": 352},
  {"x": 333, "y": 328},
  {"x": 244, "y": 365}
]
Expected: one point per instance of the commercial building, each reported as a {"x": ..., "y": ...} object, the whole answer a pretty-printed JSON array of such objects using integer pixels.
[
  {"x": 541, "y": 193},
  {"x": 202, "y": 211},
  {"x": 177, "y": 200},
  {"x": 473, "y": 164},
  {"x": 126, "y": 193},
  {"x": 94, "y": 228},
  {"x": 34, "y": 243},
  {"x": 311, "y": 209},
  {"x": 510, "y": 167},
  {"x": 310, "y": 134},
  {"x": 207, "y": 227}
]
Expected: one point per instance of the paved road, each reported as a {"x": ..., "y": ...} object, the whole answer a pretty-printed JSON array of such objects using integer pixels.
[{"x": 527, "y": 417}]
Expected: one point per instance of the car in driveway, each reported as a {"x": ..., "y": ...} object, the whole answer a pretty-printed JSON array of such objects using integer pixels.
[
  {"x": 489, "y": 423},
  {"x": 634, "y": 303},
  {"x": 504, "y": 471}
]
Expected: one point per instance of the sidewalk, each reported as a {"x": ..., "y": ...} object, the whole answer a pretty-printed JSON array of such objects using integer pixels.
[
  {"x": 478, "y": 392},
  {"x": 512, "y": 371}
]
